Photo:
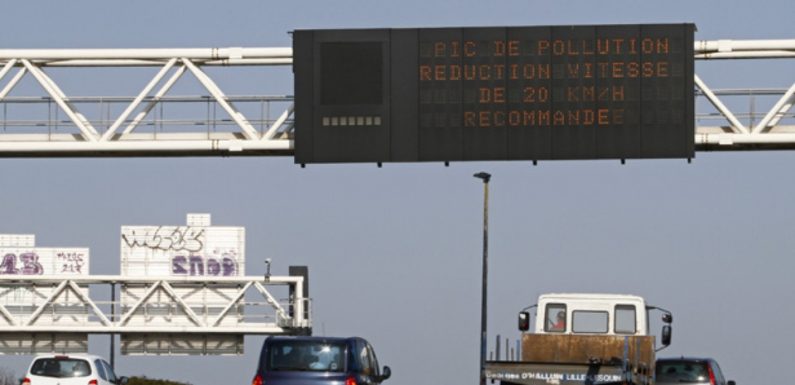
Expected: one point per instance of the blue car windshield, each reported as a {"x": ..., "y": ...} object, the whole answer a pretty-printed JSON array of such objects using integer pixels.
[{"x": 306, "y": 356}]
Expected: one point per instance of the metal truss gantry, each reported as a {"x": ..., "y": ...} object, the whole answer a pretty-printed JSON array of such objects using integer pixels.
[
  {"x": 153, "y": 305},
  {"x": 127, "y": 132},
  {"x": 773, "y": 129},
  {"x": 131, "y": 126}
]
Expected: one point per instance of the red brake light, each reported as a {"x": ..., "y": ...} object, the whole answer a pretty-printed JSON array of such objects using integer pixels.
[
  {"x": 257, "y": 380},
  {"x": 26, "y": 381},
  {"x": 350, "y": 380},
  {"x": 711, "y": 374},
  {"x": 93, "y": 382}
]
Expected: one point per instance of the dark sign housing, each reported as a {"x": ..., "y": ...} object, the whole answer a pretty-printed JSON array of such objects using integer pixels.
[{"x": 517, "y": 93}]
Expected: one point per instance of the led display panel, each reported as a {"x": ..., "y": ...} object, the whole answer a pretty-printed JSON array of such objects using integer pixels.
[{"x": 494, "y": 93}]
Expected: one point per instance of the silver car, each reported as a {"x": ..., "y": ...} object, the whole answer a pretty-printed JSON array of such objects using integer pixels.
[{"x": 689, "y": 370}]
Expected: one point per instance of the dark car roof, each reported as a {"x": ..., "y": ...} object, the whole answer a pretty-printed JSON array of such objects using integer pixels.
[{"x": 312, "y": 338}]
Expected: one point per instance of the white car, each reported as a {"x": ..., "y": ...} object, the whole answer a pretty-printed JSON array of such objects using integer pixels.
[{"x": 74, "y": 369}]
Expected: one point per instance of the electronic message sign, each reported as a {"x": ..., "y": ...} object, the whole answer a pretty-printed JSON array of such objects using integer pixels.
[{"x": 497, "y": 93}]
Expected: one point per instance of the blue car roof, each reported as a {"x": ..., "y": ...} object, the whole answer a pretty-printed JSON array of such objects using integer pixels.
[{"x": 312, "y": 338}]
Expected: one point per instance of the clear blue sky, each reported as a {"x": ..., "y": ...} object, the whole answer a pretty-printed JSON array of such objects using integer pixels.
[{"x": 394, "y": 253}]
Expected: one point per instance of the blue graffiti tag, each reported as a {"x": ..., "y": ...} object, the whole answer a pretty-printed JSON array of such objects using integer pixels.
[{"x": 195, "y": 265}]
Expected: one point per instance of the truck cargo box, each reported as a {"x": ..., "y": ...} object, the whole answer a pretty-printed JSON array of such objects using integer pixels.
[
  {"x": 583, "y": 349},
  {"x": 569, "y": 359}
]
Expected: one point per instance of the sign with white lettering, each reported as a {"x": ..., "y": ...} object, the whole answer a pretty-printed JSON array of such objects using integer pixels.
[{"x": 517, "y": 93}]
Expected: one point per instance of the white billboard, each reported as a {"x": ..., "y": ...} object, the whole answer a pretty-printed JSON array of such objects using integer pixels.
[
  {"x": 59, "y": 261},
  {"x": 167, "y": 251},
  {"x": 19, "y": 256},
  {"x": 196, "y": 250}
]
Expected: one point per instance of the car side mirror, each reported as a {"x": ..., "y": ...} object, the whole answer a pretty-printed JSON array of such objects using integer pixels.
[
  {"x": 387, "y": 372},
  {"x": 122, "y": 380},
  {"x": 666, "y": 335},
  {"x": 524, "y": 321}
]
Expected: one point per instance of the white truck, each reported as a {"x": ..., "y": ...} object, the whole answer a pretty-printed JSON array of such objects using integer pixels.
[{"x": 584, "y": 339}]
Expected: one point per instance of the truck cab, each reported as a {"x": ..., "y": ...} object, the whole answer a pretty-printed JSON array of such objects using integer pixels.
[{"x": 605, "y": 314}]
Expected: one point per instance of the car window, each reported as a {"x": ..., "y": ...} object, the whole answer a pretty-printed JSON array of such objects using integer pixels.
[
  {"x": 297, "y": 355},
  {"x": 364, "y": 359},
  {"x": 109, "y": 371},
  {"x": 353, "y": 359},
  {"x": 100, "y": 369},
  {"x": 373, "y": 360},
  {"x": 61, "y": 367},
  {"x": 718, "y": 374},
  {"x": 588, "y": 321},
  {"x": 555, "y": 318},
  {"x": 625, "y": 319},
  {"x": 682, "y": 371}
]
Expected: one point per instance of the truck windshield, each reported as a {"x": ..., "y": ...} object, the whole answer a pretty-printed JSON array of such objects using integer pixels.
[
  {"x": 589, "y": 321},
  {"x": 306, "y": 356}
]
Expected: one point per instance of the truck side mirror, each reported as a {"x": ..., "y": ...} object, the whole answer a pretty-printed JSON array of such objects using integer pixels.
[
  {"x": 524, "y": 321},
  {"x": 667, "y": 318},
  {"x": 387, "y": 372},
  {"x": 731, "y": 382},
  {"x": 666, "y": 335}
]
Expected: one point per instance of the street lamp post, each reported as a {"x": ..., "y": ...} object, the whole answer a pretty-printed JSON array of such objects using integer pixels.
[{"x": 486, "y": 177}]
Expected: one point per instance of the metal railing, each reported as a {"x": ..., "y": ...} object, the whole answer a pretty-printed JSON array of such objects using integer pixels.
[{"x": 43, "y": 116}]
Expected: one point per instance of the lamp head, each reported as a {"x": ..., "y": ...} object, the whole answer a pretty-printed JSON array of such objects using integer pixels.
[{"x": 483, "y": 175}]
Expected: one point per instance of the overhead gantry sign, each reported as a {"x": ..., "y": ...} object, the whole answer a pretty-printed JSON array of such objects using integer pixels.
[{"x": 596, "y": 68}]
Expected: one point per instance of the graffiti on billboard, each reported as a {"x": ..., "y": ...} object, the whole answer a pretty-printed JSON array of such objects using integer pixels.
[
  {"x": 44, "y": 261},
  {"x": 24, "y": 263},
  {"x": 70, "y": 262},
  {"x": 166, "y": 238},
  {"x": 194, "y": 251},
  {"x": 224, "y": 264}
]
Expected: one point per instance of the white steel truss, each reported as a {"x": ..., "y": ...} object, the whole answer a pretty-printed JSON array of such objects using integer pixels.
[
  {"x": 122, "y": 135},
  {"x": 136, "y": 130},
  {"x": 769, "y": 130},
  {"x": 61, "y": 305}
]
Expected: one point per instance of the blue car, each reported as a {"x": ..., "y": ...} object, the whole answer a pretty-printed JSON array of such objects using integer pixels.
[{"x": 318, "y": 361}]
